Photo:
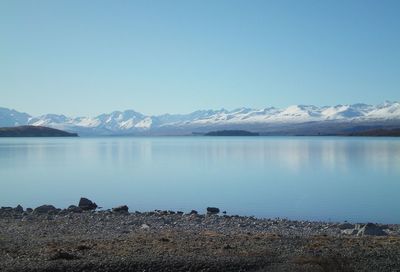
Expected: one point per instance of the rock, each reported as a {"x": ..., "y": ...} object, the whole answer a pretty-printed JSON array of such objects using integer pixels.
[
  {"x": 74, "y": 209},
  {"x": 44, "y": 209},
  {"x": 63, "y": 212},
  {"x": 123, "y": 208},
  {"x": 227, "y": 246},
  {"x": 62, "y": 255},
  {"x": 349, "y": 231},
  {"x": 144, "y": 226},
  {"x": 371, "y": 229},
  {"x": 19, "y": 209},
  {"x": 212, "y": 210},
  {"x": 29, "y": 210},
  {"x": 166, "y": 221},
  {"x": 86, "y": 204},
  {"x": 193, "y": 212},
  {"x": 84, "y": 247},
  {"x": 345, "y": 226}
]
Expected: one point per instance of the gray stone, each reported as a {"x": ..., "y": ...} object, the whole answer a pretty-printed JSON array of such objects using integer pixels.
[
  {"x": 123, "y": 208},
  {"x": 74, "y": 209},
  {"x": 358, "y": 226},
  {"x": 144, "y": 226},
  {"x": 349, "y": 232},
  {"x": 19, "y": 209},
  {"x": 371, "y": 229},
  {"x": 345, "y": 226},
  {"x": 86, "y": 204},
  {"x": 62, "y": 255},
  {"x": 212, "y": 210},
  {"x": 44, "y": 209}
]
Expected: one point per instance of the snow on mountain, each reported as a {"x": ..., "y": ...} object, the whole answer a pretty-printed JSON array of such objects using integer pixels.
[
  {"x": 345, "y": 111},
  {"x": 145, "y": 123},
  {"x": 129, "y": 121},
  {"x": 49, "y": 120},
  {"x": 120, "y": 120},
  {"x": 297, "y": 113},
  {"x": 87, "y": 122},
  {"x": 385, "y": 110}
]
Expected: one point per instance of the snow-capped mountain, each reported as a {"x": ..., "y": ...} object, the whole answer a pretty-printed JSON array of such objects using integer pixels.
[
  {"x": 267, "y": 119},
  {"x": 11, "y": 118}
]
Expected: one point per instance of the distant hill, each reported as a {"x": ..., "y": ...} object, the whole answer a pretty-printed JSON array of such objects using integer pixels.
[
  {"x": 231, "y": 133},
  {"x": 378, "y": 133},
  {"x": 34, "y": 131}
]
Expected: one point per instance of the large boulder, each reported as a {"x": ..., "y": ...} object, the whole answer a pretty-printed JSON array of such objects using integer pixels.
[
  {"x": 371, "y": 229},
  {"x": 19, "y": 209},
  {"x": 86, "y": 204},
  {"x": 363, "y": 229},
  {"x": 45, "y": 209},
  {"x": 345, "y": 226},
  {"x": 212, "y": 210}
]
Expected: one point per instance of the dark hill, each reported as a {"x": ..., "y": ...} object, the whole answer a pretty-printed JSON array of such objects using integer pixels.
[
  {"x": 378, "y": 133},
  {"x": 34, "y": 131}
]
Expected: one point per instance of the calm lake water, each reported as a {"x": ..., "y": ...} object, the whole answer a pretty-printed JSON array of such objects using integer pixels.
[{"x": 318, "y": 178}]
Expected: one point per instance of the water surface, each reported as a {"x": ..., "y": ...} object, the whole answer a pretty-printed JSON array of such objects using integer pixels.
[{"x": 317, "y": 178}]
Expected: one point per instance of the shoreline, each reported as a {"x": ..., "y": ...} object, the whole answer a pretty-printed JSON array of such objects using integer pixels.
[{"x": 80, "y": 238}]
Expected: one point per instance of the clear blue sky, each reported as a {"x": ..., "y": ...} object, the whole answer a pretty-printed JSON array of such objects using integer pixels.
[{"x": 89, "y": 57}]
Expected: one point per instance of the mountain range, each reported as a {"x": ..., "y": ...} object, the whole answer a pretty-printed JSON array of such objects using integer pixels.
[{"x": 293, "y": 120}]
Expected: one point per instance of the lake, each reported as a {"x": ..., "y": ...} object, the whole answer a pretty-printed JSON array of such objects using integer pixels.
[{"x": 314, "y": 178}]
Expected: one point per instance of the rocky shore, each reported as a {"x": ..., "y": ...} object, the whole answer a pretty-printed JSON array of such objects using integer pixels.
[{"x": 82, "y": 238}]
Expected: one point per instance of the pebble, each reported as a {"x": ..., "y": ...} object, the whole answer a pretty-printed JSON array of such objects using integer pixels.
[{"x": 144, "y": 226}]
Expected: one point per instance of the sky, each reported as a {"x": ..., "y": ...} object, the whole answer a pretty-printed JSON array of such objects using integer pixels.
[{"x": 90, "y": 57}]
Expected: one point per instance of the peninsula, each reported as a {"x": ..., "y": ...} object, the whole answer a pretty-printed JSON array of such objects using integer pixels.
[{"x": 34, "y": 131}]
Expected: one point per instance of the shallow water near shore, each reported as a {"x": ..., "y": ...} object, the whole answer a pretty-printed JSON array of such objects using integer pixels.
[{"x": 313, "y": 178}]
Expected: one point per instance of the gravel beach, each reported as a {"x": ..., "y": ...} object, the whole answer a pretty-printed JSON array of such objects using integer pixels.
[{"x": 82, "y": 239}]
